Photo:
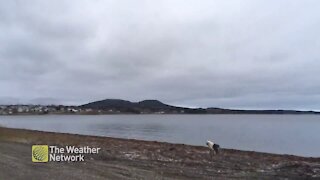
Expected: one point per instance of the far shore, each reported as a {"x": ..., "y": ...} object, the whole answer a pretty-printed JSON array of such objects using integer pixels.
[
  {"x": 137, "y": 159},
  {"x": 119, "y": 106},
  {"x": 101, "y": 114}
]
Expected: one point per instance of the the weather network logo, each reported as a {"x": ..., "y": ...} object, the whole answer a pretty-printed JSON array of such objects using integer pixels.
[{"x": 40, "y": 153}]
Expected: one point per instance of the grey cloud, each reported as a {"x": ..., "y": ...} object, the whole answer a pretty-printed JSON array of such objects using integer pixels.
[{"x": 237, "y": 54}]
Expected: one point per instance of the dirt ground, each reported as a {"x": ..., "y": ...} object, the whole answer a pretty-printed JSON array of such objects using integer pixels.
[{"x": 135, "y": 159}]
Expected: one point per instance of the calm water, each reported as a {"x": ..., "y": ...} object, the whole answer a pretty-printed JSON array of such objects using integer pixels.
[{"x": 284, "y": 134}]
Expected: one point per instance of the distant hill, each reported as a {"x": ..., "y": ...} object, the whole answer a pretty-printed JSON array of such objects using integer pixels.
[
  {"x": 109, "y": 103},
  {"x": 119, "y": 106},
  {"x": 146, "y": 106},
  {"x": 155, "y": 106}
]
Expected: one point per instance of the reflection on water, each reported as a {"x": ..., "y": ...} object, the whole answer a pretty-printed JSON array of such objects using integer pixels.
[{"x": 290, "y": 134}]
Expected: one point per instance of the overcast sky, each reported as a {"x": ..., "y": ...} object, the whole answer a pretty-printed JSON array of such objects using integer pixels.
[{"x": 246, "y": 54}]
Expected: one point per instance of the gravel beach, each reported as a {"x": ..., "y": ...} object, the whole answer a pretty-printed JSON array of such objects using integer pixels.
[{"x": 136, "y": 159}]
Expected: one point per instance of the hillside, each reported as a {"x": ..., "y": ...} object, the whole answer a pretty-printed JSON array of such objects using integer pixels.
[
  {"x": 142, "y": 107},
  {"x": 155, "y": 106}
]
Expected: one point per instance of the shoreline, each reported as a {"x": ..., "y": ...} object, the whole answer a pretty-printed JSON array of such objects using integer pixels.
[
  {"x": 165, "y": 142},
  {"x": 138, "y": 114},
  {"x": 139, "y": 159}
]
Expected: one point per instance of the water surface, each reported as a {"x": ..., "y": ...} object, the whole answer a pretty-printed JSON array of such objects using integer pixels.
[{"x": 283, "y": 134}]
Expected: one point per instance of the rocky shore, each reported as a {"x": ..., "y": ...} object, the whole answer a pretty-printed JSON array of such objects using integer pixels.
[{"x": 136, "y": 159}]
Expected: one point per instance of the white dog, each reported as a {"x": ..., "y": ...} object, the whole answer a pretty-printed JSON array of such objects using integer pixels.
[{"x": 214, "y": 148}]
